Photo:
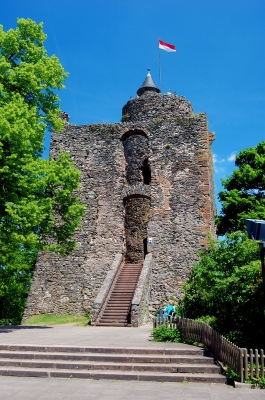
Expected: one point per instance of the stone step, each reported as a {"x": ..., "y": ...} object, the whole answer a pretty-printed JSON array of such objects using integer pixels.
[
  {"x": 123, "y": 291},
  {"x": 129, "y": 274},
  {"x": 114, "y": 318},
  {"x": 121, "y": 375},
  {"x": 126, "y": 301},
  {"x": 120, "y": 324},
  {"x": 117, "y": 309},
  {"x": 97, "y": 365},
  {"x": 116, "y": 313},
  {"x": 111, "y": 356},
  {"x": 115, "y": 301},
  {"x": 123, "y": 287},
  {"x": 128, "y": 277},
  {"x": 118, "y": 297},
  {"x": 134, "y": 272},
  {"x": 123, "y": 294},
  {"x": 126, "y": 264},
  {"x": 117, "y": 306},
  {"x": 47, "y": 349},
  {"x": 127, "y": 284}
]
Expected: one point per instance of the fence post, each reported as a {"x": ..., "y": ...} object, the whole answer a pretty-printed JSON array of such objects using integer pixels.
[
  {"x": 251, "y": 363},
  {"x": 261, "y": 363},
  {"x": 246, "y": 363},
  {"x": 241, "y": 355},
  {"x": 257, "y": 362}
]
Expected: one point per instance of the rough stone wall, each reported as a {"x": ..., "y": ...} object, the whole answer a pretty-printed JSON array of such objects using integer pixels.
[
  {"x": 141, "y": 299},
  {"x": 182, "y": 192},
  {"x": 65, "y": 285},
  {"x": 176, "y": 143},
  {"x": 149, "y": 105},
  {"x": 136, "y": 223},
  {"x": 136, "y": 155}
]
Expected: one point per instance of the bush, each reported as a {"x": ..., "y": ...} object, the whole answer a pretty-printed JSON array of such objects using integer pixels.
[
  {"x": 225, "y": 289},
  {"x": 164, "y": 334}
]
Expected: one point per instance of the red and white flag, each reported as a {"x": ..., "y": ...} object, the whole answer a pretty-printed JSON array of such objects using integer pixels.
[{"x": 166, "y": 46}]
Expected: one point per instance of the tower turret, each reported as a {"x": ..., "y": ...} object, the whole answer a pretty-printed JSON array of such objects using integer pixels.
[
  {"x": 150, "y": 103},
  {"x": 148, "y": 85}
]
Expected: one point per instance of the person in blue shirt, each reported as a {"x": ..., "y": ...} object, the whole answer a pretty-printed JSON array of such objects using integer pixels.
[{"x": 170, "y": 309}]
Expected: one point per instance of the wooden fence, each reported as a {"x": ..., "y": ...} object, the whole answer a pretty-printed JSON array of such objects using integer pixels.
[
  {"x": 246, "y": 365},
  {"x": 252, "y": 364}
]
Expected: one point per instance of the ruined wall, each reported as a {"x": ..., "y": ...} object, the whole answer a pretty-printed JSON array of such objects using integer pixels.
[
  {"x": 136, "y": 228},
  {"x": 65, "y": 285},
  {"x": 150, "y": 175},
  {"x": 182, "y": 191}
]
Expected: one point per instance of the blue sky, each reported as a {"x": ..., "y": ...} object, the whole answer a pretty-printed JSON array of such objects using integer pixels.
[{"x": 106, "y": 46}]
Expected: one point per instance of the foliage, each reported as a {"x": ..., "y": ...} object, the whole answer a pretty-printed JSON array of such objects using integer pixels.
[
  {"x": 256, "y": 382},
  {"x": 244, "y": 194},
  {"x": 165, "y": 334},
  {"x": 210, "y": 320},
  {"x": 88, "y": 316},
  {"x": 226, "y": 285},
  {"x": 52, "y": 319},
  {"x": 125, "y": 117},
  {"x": 15, "y": 280},
  {"x": 37, "y": 207},
  {"x": 232, "y": 374}
]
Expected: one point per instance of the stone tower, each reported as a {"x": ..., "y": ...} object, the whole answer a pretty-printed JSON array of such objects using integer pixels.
[{"x": 148, "y": 186}]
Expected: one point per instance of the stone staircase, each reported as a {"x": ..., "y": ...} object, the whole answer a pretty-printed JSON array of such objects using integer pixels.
[
  {"x": 141, "y": 364},
  {"x": 117, "y": 309}
]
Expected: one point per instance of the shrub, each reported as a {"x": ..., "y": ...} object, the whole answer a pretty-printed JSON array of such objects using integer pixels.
[
  {"x": 164, "y": 334},
  {"x": 225, "y": 289}
]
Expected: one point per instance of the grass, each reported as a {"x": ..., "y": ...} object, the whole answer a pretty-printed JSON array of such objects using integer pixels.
[{"x": 51, "y": 319}]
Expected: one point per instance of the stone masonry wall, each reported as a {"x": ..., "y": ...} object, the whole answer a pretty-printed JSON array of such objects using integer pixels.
[
  {"x": 177, "y": 146},
  {"x": 136, "y": 223},
  {"x": 65, "y": 285},
  {"x": 136, "y": 155}
]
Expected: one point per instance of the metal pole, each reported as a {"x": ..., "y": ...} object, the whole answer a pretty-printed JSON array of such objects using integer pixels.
[{"x": 159, "y": 68}]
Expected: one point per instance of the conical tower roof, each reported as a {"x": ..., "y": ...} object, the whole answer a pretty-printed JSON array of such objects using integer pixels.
[{"x": 148, "y": 85}]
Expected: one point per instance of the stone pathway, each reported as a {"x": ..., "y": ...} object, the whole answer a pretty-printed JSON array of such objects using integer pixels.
[
  {"x": 58, "y": 389},
  {"x": 38, "y": 388}
]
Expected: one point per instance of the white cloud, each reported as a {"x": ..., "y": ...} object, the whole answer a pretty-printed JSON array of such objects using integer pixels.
[
  {"x": 232, "y": 157},
  {"x": 219, "y": 169},
  {"x": 217, "y": 160}
]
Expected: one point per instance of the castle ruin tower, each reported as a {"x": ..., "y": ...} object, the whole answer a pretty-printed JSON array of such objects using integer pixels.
[{"x": 147, "y": 183}]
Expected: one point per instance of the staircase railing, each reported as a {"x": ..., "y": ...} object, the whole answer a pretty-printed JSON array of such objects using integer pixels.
[{"x": 140, "y": 301}]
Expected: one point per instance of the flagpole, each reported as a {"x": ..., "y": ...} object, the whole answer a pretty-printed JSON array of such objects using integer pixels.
[{"x": 159, "y": 68}]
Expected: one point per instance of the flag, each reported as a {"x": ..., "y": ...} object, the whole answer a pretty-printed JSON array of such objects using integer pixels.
[{"x": 166, "y": 46}]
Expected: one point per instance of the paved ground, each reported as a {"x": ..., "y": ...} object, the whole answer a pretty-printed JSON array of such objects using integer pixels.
[
  {"x": 81, "y": 336},
  {"x": 40, "y": 388},
  {"x": 49, "y": 389}
]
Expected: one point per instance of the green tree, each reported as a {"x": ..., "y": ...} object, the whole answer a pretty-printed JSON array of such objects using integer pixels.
[
  {"x": 38, "y": 208},
  {"x": 225, "y": 288},
  {"x": 244, "y": 194}
]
